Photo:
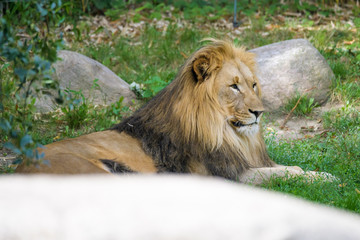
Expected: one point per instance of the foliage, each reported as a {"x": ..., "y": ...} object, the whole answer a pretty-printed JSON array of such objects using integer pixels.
[
  {"x": 155, "y": 84},
  {"x": 342, "y": 120},
  {"x": 304, "y": 107},
  {"x": 202, "y": 10},
  {"x": 346, "y": 67},
  {"x": 158, "y": 57},
  {"x": 110, "y": 115},
  {"x": 76, "y": 111},
  {"x": 27, "y": 52}
]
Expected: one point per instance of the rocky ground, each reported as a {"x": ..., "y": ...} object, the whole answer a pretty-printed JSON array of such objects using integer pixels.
[{"x": 6, "y": 158}]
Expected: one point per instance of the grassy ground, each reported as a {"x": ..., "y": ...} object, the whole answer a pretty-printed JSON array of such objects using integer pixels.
[
  {"x": 161, "y": 46},
  {"x": 336, "y": 150}
]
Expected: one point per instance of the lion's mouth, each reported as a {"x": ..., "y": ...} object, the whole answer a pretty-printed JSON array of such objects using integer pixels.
[{"x": 239, "y": 124}]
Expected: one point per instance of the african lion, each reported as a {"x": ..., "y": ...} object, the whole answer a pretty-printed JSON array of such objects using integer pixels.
[{"x": 206, "y": 121}]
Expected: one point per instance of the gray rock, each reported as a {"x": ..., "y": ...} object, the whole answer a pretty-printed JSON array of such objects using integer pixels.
[
  {"x": 78, "y": 72},
  {"x": 292, "y": 66}
]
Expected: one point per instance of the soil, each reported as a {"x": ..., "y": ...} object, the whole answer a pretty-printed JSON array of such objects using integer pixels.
[
  {"x": 299, "y": 127},
  {"x": 6, "y": 157}
]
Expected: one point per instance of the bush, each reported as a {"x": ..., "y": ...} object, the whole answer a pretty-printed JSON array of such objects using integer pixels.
[
  {"x": 304, "y": 106},
  {"x": 27, "y": 52}
]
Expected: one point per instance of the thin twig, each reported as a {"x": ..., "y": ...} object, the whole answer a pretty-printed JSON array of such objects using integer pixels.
[{"x": 293, "y": 109}]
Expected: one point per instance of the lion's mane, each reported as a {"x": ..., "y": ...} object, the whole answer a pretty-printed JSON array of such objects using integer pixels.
[{"x": 184, "y": 129}]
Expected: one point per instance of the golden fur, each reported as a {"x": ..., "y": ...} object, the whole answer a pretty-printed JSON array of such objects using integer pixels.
[
  {"x": 202, "y": 116},
  {"x": 206, "y": 121}
]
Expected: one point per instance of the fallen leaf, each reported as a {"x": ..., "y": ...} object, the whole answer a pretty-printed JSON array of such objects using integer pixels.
[
  {"x": 280, "y": 18},
  {"x": 332, "y": 24},
  {"x": 292, "y": 14},
  {"x": 271, "y": 26},
  {"x": 270, "y": 129},
  {"x": 349, "y": 42},
  {"x": 68, "y": 28}
]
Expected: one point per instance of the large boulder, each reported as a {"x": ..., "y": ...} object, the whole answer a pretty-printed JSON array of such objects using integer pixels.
[
  {"x": 290, "y": 67},
  {"x": 159, "y": 207},
  {"x": 78, "y": 72}
]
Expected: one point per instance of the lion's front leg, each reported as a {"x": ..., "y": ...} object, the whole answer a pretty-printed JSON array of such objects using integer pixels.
[{"x": 258, "y": 176}]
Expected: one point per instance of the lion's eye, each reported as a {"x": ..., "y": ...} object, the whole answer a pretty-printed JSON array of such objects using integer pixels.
[
  {"x": 254, "y": 85},
  {"x": 234, "y": 86}
]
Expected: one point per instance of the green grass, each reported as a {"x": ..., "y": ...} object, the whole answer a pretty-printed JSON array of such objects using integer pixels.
[
  {"x": 336, "y": 151},
  {"x": 304, "y": 105},
  {"x": 345, "y": 64},
  {"x": 159, "y": 55},
  {"x": 328, "y": 193}
]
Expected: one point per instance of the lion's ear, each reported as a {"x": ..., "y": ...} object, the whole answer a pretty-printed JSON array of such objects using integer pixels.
[{"x": 200, "y": 67}]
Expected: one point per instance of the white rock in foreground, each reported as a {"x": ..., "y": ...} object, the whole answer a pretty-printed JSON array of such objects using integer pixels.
[
  {"x": 287, "y": 67},
  {"x": 78, "y": 72},
  {"x": 160, "y": 207}
]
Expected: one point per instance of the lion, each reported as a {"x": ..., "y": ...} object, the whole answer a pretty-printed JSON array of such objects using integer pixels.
[{"x": 206, "y": 122}]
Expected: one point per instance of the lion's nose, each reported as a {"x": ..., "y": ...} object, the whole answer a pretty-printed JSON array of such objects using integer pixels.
[{"x": 256, "y": 113}]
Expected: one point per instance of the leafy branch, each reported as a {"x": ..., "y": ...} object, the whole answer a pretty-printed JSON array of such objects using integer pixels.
[{"x": 27, "y": 50}]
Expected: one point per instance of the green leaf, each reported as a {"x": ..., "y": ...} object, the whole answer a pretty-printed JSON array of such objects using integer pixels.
[
  {"x": 31, "y": 73},
  {"x": 17, "y": 161},
  {"x": 37, "y": 59},
  {"x": 99, "y": 29},
  {"x": 12, "y": 147},
  {"x": 27, "y": 139},
  {"x": 43, "y": 12},
  {"x": 100, "y": 4},
  {"x": 156, "y": 15},
  {"x": 145, "y": 6},
  {"x": 29, "y": 153},
  {"x": 61, "y": 21},
  {"x": 358, "y": 57},
  {"x": 38, "y": 155},
  {"x": 14, "y": 133},
  {"x": 311, "y": 101},
  {"x": 21, "y": 73},
  {"x": 357, "y": 22},
  {"x": 5, "y": 125},
  {"x": 147, "y": 93}
]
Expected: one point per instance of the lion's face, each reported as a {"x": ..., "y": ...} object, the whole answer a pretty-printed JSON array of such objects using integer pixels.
[{"x": 239, "y": 95}]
